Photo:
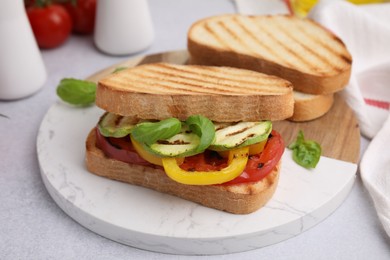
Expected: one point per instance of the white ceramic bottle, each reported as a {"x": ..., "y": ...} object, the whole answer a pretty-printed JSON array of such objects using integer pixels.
[
  {"x": 22, "y": 71},
  {"x": 123, "y": 26}
]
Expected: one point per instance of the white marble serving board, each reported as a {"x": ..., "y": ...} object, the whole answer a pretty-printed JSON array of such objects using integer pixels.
[{"x": 153, "y": 221}]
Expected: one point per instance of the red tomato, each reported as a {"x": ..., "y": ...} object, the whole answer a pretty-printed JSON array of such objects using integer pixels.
[
  {"x": 206, "y": 161},
  {"x": 28, "y": 3},
  {"x": 83, "y": 15},
  {"x": 51, "y": 25},
  {"x": 260, "y": 165}
]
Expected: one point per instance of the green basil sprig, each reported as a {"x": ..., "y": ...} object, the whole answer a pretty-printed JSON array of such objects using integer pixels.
[
  {"x": 151, "y": 132},
  {"x": 204, "y": 128},
  {"x": 306, "y": 153},
  {"x": 77, "y": 92}
]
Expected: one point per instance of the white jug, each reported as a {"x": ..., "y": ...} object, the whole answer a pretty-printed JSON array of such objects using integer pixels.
[
  {"x": 22, "y": 71},
  {"x": 123, "y": 26}
]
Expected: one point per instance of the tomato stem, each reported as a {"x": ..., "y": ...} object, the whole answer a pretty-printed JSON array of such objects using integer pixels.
[{"x": 42, "y": 3}]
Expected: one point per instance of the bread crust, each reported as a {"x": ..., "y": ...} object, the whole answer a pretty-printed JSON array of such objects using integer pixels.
[
  {"x": 204, "y": 55},
  {"x": 218, "y": 108},
  {"x": 324, "y": 83},
  {"x": 222, "y": 94},
  {"x": 237, "y": 199},
  {"x": 311, "y": 107}
]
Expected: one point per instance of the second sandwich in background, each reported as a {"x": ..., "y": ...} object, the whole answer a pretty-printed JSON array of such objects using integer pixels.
[{"x": 316, "y": 61}]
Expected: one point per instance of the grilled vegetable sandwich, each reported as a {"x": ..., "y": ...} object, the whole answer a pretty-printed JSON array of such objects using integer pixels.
[
  {"x": 201, "y": 133},
  {"x": 308, "y": 55}
]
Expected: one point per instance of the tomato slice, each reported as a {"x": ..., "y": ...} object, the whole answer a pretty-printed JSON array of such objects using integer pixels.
[
  {"x": 206, "y": 161},
  {"x": 260, "y": 165}
]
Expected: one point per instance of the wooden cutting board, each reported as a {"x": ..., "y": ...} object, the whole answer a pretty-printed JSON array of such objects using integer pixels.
[{"x": 337, "y": 131}]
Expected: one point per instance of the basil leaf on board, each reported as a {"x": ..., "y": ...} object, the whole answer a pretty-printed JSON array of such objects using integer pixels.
[
  {"x": 306, "y": 153},
  {"x": 204, "y": 128},
  {"x": 151, "y": 132},
  {"x": 77, "y": 92}
]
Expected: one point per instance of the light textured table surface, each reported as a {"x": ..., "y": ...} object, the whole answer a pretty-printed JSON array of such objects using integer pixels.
[{"x": 32, "y": 226}]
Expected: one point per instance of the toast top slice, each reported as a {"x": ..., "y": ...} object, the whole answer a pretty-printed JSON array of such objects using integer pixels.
[
  {"x": 296, "y": 43},
  {"x": 162, "y": 90},
  {"x": 172, "y": 79}
]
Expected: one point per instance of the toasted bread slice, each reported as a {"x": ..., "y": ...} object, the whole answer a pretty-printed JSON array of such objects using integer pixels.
[
  {"x": 238, "y": 199},
  {"x": 308, "y": 106},
  {"x": 299, "y": 50},
  {"x": 159, "y": 91}
]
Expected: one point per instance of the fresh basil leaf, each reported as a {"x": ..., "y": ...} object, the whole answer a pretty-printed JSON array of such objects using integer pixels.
[
  {"x": 77, "y": 92},
  {"x": 306, "y": 153},
  {"x": 204, "y": 128},
  {"x": 119, "y": 69},
  {"x": 151, "y": 132}
]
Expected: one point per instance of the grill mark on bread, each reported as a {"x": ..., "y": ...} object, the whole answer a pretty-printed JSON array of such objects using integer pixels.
[
  {"x": 341, "y": 50},
  {"x": 215, "y": 36},
  {"x": 167, "y": 86},
  {"x": 228, "y": 34},
  {"x": 333, "y": 54},
  {"x": 195, "y": 86},
  {"x": 250, "y": 34},
  {"x": 241, "y": 42},
  {"x": 146, "y": 80},
  {"x": 144, "y": 85},
  {"x": 237, "y": 38},
  {"x": 129, "y": 94},
  {"x": 204, "y": 76},
  {"x": 302, "y": 63},
  {"x": 208, "y": 86},
  {"x": 346, "y": 59},
  {"x": 224, "y": 26},
  {"x": 140, "y": 80},
  {"x": 309, "y": 49},
  {"x": 332, "y": 57},
  {"x": 343, "y": 56}
]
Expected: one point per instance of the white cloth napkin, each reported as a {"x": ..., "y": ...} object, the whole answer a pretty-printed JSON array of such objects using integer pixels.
[
  {"x": 365, "y": 30},
  {"x": 375, "y": 173}
]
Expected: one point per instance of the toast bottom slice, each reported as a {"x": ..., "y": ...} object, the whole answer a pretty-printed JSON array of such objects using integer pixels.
[
  {"x": 237, "y": 199},
  {"x": 309, "y": 107}
]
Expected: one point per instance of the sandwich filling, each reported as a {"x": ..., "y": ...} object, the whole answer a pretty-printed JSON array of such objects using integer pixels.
[{"x": 196, "y": 151}]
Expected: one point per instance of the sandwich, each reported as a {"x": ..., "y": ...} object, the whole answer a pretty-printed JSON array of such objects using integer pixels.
[
  {"x": 308, "y": 55},
  {"x": 201, "y": 133}
]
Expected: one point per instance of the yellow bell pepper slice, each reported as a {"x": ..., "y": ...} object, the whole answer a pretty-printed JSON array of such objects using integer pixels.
[
  {"x": 237, "y": 161},
  {"x": 148, "y": 156},
  {"x": 257, "y": 148},
  {"x": 144, "y": 154},
  {"x": 253, "y": 149}
]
